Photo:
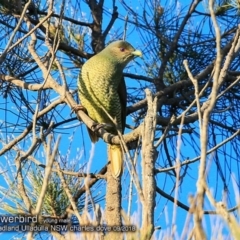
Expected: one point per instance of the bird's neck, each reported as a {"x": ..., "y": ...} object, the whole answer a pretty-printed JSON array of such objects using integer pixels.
[{"x": 118, "y": 63}]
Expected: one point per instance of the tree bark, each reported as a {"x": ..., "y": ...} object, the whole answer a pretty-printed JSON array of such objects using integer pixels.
[
  {"x": 149, "y": 155},
  {"x": 113, "y": 205}
]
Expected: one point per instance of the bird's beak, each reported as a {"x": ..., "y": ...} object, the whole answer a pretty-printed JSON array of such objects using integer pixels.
[{"x": 137, "y": 53}]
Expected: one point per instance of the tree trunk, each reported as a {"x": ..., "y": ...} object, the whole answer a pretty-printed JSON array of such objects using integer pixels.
[
  {"x": 149, "y": 156},
  {"x": 113, "y": 205}
]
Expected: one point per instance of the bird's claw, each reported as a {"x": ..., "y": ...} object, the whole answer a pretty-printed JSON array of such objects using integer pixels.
[
  {"x": 78, "y": 107},
  {"x": 97, "y": 126}
]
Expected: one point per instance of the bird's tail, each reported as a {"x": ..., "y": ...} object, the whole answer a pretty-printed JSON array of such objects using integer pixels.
[{"x": 115, "y": 156}]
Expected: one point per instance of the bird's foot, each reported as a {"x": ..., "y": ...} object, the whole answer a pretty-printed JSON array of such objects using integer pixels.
[
  {"x": 78, "y": 107},
  {"x": 97, "y": 126}
]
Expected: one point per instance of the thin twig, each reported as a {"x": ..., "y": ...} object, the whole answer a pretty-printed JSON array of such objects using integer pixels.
[
  {"x": 3, "y": 55},
  {"x": 68, "y": 192},
  {"x": 197, "y": 158},
  {"x": 31, "y": 31},
  {"x": 50, "y": 159}
]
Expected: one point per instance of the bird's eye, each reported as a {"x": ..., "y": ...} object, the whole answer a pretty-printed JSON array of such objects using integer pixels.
[{"x": 122, "y": 49}]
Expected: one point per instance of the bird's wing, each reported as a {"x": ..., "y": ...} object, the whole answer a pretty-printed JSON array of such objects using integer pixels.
[{"x": 122, "y": 92}]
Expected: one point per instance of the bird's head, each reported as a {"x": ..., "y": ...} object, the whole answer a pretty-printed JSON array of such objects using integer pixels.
[{"x": 122, "y": 51}]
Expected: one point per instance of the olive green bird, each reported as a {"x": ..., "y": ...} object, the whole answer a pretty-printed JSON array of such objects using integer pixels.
[{"x": 102, "y": 92}]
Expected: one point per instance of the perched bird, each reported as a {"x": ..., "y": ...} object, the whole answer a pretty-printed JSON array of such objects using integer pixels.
[{"x": 102, "y": 92}]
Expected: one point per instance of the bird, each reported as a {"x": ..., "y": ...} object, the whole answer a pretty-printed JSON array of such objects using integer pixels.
[{"x": 102, "y": 93}]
